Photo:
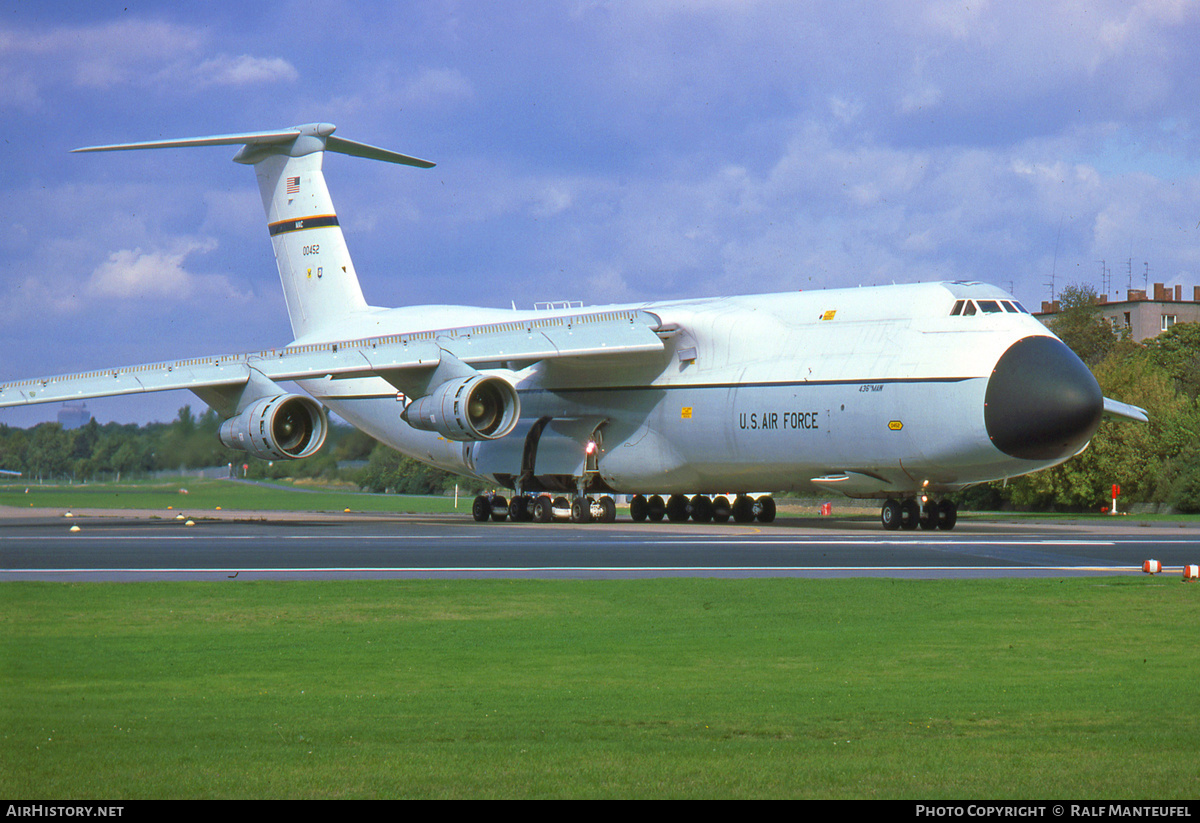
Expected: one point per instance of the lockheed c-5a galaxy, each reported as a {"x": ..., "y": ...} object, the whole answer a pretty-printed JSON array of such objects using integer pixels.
[{"x": 899, "y": 393}]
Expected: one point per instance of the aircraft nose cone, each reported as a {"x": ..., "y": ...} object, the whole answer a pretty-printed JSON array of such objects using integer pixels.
[{"x": 1042, "y": 402}]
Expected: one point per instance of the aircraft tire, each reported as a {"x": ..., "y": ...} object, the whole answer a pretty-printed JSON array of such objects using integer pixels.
[
  {"x": 608, "y": 507},
  {"x": 519, "y": 510},
  {"x": 499, "y": 509},
  {"x": 655, "y": 508},
  {"x": 929, "y": 516},
  {"x": 677, "y": 508},
  {"x": 481, "y": 509},
  {"x": 889, "y": 515},
  {"x": 743, "y": 509},
  {"x": 581, "y": 510},
  {"x": 639, "y": 509},
  {"x": 947, "y": 515},
  {"x": 765, "y": 507},
  {"x": 543, "y": 509},
  {"x": 721, "y": 509},
  {"x": 701, "y": 508},
  {"x": 910, "y": 515}
]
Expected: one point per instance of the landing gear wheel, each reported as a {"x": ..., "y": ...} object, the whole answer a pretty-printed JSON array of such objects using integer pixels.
[
  {"x": 581, "y": 510},
  {"x": 889, "y": 515},
  {"x": 518, "y": 509},
  {"x": 764, "y": 509},
  {"x": 910, "y": 514},
  {"x": 543, "y": 510},
  {"x": 947, "y": 515},
  {"x": 655, "y": 508},
  {"x": 702, "y": 509},
  {"x": 499, "y": 509},
  {"x": 929, "y": 516},
  {"x": 677, "y": 508},
  {"x": 638, "y": 508},
  {"x": 481, "y": 509},
  {"x": 608, "y": 510},
  {"x": 743, "y": 509},
  {"x": 721, "y": 509}
]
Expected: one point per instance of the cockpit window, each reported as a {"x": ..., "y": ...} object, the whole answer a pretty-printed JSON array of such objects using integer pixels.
[
  {"x": 1020, "y": 308},
  {"x": 989, "y": 307},
  {"x": 969, "y": 309},
  {"x": 1008, "y": 306},
  {"x": 958, "y": 307}
]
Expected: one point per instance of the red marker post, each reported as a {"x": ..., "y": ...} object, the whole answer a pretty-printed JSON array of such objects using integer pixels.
[{"x": 1116, "y": 493}]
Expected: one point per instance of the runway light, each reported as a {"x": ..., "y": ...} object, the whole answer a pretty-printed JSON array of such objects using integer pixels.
[
  {"x": 74, "y": 528},
  {"x": 1191, "y": 572},
  {"x": 190, "y": 523},
  {"x": 1152, "y": 567}
]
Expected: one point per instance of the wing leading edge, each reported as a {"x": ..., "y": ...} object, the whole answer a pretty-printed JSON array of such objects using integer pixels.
[{"x": 397, "y": 358}]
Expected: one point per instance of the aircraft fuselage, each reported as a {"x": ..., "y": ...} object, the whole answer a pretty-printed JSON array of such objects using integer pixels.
[{"x": 874, "y": 392}]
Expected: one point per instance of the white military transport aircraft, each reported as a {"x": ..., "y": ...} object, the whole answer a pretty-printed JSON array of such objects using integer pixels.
[{"x": 899, "y": 393}]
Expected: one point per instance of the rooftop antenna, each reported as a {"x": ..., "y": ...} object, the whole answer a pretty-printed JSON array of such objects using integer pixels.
[
  {"x": 1105, "y": 276},
  {"x": 1054, "y": 266}
]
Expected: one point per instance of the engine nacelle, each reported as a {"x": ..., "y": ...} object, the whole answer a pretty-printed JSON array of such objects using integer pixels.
[
  {"x": 285, "y": 427},
  {"x": 479, "y": 407}
]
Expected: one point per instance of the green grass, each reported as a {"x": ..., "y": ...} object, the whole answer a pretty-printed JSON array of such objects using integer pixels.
[
  {"x": 207, "y": 495},
  {"x": 650, "y": 689}
]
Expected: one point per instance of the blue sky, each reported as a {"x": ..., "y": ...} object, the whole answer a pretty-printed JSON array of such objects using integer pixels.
[{"x": 597, "y": 151}]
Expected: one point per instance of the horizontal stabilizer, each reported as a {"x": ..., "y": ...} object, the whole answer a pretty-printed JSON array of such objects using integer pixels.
[
  {"x": 1115, "y": 408},
  {"x": 373, "y": 153},
  {"x": 321, "y": 135}
]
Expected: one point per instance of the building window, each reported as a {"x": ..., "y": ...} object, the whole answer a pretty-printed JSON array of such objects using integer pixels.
[{"x": 1168, "y": 320}]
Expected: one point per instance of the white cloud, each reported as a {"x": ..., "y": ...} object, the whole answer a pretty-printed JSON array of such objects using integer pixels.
[
  {"x": 127, "y": 53},
  {"x": 134, "y": 274},
  {"x": 244, "y": 70}
]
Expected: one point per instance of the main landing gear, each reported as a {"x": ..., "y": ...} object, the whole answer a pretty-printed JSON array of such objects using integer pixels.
[
  {"x": 677, "y": 508},
  {"x": 702, "y": 508},
  {"x": 543, "y": 509},
  {"x": 910, "y": 513}
]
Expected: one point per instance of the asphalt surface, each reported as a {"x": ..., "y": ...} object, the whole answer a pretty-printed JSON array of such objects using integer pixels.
[{"x": 121, "y": 546}]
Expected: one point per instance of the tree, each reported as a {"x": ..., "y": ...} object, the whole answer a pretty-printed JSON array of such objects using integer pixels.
[
  {"x": 390, "y": 471},
  {"x": 1079, "y": 324},
  {"x": 1177, "y": 350},
  {"x": 1144, "y": 459}
]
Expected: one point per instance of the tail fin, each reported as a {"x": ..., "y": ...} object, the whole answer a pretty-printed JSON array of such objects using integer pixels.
[{"x": 319, "y": 281}]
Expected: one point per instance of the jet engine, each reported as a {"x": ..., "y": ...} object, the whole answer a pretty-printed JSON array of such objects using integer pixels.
[
  {"x": 284, "y": 427},
  {"x": 479, "y": 407}
]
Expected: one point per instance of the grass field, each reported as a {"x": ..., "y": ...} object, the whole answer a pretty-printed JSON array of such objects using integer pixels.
[
  {"x": 207, "y": 495},
  {"x": 1075, "y": 688}
]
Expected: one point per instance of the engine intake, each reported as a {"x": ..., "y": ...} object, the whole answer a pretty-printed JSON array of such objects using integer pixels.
[
  {"x": 285, "y": 427},
  {"x": 479, "y": 407}
]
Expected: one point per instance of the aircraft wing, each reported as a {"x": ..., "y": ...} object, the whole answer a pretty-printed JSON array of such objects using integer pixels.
[{"x": 393, "y": 357}]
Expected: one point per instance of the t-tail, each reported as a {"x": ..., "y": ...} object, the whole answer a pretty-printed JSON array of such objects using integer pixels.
[{"x": 319, "y": 282}]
